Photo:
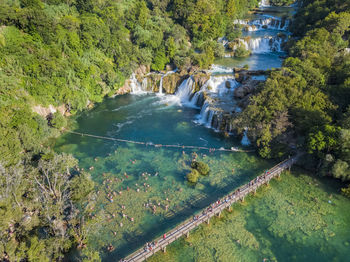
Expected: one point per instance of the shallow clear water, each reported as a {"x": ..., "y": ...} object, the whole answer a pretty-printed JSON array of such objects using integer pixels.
[
  {"x": 263, "y": 61},
  {"x": 117, "y": 169},
  {"x": 297, "y": 218}
]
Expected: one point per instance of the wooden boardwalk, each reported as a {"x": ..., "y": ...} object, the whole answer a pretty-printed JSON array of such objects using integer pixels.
[{"x": 214, "y": 209}]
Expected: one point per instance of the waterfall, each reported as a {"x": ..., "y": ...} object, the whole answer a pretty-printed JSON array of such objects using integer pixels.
[
  {"x": 264, "y": 3},
  {"x": 218, "y": 92},
  {"x": 195, "y": 99},
  {"x": 144, "y": 84},
  {"x": 245, "y": 140},
  {"x": 262, "y": 44},
  {"x": 266, "y": 22},
  {"x": 203, "y": 115},
  {"x": 161, "y": 86},
  {"x": 215, "y": 69},
  {"x": 161, "y": 81},
  {"x": 136, "y": 88},
  {"x": 185, "y": 90},
  {"x": 210, "y": 118}
]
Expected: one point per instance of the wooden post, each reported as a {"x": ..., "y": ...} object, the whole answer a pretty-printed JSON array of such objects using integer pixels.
[
  {"x": 188, "y": 234},
  {"x": 164, "y": 249},
  {"x": 218, "y": 214},
  {"x": 208, "y": 220},
  {"x": 229, "y": 208}
]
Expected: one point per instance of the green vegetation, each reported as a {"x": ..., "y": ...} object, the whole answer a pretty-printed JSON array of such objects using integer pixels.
[
  {"x": 201, "y": 167},
  {"x": 306, "y": 104},
  {"x": 42, "y": 208},
  {"x": 241, "y": 51},
  {"x": 193, "y": 176},
  {"x": 300, "y": 218}
]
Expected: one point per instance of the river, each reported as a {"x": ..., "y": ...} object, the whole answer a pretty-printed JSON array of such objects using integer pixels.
[{"x": 142, "y": 190}]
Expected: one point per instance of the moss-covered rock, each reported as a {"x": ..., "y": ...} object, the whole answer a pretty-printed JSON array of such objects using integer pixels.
[{"x": 172, "y": 81}]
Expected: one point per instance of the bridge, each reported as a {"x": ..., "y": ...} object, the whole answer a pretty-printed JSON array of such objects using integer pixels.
[{"x": 214, "y": 209}]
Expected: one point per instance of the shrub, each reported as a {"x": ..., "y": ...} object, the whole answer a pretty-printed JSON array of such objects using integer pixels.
[
  {"x": 193, "y": 176},
  {"x": 242, "y": 52},
  {"x": 201, "y": 167},
  {"x": 58, "y": 121},
  {"x": 346, "y": 191}
]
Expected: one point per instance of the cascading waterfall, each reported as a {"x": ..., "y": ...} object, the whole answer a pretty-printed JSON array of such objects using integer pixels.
[
  {"x": 267, "y": 22},
  {"x": 264, "y": 3},
  {"x": 219, "y": 97},
  {"x": 260, "y": 44},
  {"x": 185, "y": 90}
]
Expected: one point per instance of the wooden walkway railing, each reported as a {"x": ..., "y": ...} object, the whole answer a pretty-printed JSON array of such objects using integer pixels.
[{"x": 214, "y": 209}]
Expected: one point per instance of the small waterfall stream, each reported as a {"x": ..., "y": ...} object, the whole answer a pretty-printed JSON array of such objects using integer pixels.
[
  {"x": 136, "y": 87},
  {"x": 161, "y": 81}
]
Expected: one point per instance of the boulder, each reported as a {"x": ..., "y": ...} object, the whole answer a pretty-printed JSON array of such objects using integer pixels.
[
  {"x": 200, "y": 78},
  {"x": 246, "y": 88},
  {"x": 142, "y": 70},
  {"x": 45, "y": 111},
  {"x": 172, "y": 81},
  {"x": 125, "y": 89}
]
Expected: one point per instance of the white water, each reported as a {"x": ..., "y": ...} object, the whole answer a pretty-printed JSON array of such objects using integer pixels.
[
  {"x": 185, "y": 93},
  {"x": 245, "y": 140},
  {"x": 219, "y": 91},
  {"x": 216, "y": 69},
  {"x": 264, "y": 3},
  {"x": 267, "y": 22},
  {"x": 263, "y": 44},
  {"x": 136, "y": 88}
]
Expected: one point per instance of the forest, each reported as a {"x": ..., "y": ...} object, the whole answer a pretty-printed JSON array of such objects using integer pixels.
[{"x": 74, "y": 53}]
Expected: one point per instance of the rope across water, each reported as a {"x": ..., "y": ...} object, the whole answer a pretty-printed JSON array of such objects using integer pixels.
[{"x": 210, "y": 149}]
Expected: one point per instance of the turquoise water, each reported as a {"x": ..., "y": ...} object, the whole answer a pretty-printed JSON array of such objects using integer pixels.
[
  {"x": 297, "y": 218},
  {"x": 264, "y": 61},
  {"x": 137, "y": 175}
]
